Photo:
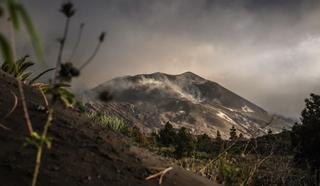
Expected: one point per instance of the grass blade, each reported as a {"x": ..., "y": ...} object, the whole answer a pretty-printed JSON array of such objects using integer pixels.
[
  {"x": 32, "y": 34},
  {"x": 6, "y": 50},
  {"x": 11, "y": 6}
]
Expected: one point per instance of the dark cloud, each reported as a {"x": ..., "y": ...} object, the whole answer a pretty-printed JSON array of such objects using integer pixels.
[{"x": 265, "y": 50}]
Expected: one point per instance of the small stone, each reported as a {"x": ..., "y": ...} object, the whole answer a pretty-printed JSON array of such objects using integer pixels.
[
  {"x": 89, "y": 178},
  {"x": 41, "y": 108},
  {"x": 55, "y": 168}
]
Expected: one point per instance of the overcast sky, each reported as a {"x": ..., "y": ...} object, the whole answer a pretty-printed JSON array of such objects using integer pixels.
[{"x": 267, "y": 51}]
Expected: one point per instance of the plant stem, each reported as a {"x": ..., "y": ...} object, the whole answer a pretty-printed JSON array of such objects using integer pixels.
[
  {"x": 77, "y": 42},
  {"x": 24, "y": 107},
  {"x": 40, "y": 147},
  {"x": 60, "y": 54},
  {"x": 48, "y": 122},
  {"x": 37, "y": 166},
  {"x": 41, "y": 74},
  {"x": 91, "y": 57}
]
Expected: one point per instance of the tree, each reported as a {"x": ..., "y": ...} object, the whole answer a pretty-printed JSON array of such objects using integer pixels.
[
  {"x": 306, "y": 136},
  {"x": 233, "y": 133},
  {"x": 218, "y": 142},
  {"x": 241, "y": 137},
  {"x": 218, "y": 138},
  {"x": 204, "y": 143},
  {"x": 167, "y": 135},
  {"x": 137, "y": 135},
  {"x": 184, "y": 143}
]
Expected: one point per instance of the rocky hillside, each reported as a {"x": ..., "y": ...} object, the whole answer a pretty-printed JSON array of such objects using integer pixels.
[{"x": 186, "y": 100}]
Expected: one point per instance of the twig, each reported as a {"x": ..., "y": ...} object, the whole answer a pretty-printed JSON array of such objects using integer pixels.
[
  {"x": 161, "y": 174},
  {"x": 219, "y": 155},
  {"x": 25, "y": 108},
  {"x": 256, "y": 166},
  {"x": 14, "y": 105},
  {"x": 38, "y": 85},
  {"x": 4, "y": 127},
  {"x": 77, "y": 42},
  {"x": 91, "y": 57},
  {"x": 41, "y": 74}
]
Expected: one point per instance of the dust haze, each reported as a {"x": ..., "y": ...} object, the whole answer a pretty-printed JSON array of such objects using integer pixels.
[{"x": 267, "y": 51}]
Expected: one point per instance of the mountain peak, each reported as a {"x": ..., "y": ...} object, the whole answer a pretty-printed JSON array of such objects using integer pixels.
[
  {"x": 188, "y": 73},
  {"x": 186, "y": 100}
]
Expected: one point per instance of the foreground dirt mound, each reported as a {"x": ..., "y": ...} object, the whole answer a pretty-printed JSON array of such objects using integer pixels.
[{"x": 83, "y": 153}]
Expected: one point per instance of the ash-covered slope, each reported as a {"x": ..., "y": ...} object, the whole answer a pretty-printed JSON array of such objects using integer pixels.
[{"x": 186, "y": 100}]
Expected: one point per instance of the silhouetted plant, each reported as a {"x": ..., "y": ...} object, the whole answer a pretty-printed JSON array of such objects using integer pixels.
[
  {"x": 184, "y": 143},
  {"x": 306, "y": 138},
  {"x": 135, "y": 133},
  {"x": 167, "y": 135},
  {"x": 105, "y": 96},
  {"x": 233, "y": 133},
  {"x": 67, "y": 72},
  {"x": 204, "y": 143}
]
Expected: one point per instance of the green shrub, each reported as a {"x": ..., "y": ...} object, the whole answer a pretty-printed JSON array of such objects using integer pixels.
[{"x": 111, "y": 122}]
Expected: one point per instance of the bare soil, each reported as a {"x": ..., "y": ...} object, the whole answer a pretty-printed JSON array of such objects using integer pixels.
[{"x": 83, "y": 153}]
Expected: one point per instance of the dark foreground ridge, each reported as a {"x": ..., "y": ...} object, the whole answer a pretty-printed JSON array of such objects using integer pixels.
[{"x": 83, "y": 153}]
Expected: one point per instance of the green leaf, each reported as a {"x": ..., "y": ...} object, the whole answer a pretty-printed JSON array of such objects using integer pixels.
[
  {"x": 39, "y": 75},
  {"x": 24, "y": 66},
  {"x": 67, "y": 97},
  {"x": 6, "y": 50},
  {"x": 32, "y": 33},
  {"x": 24, "y": 76},
  {"x": 37, "y": 140},
  {"x": 11, "y": 6}
]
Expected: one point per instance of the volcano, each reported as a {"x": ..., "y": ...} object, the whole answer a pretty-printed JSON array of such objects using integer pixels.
[{"x": 185, "y": 100}]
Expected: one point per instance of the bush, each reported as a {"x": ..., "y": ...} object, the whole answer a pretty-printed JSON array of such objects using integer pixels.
[{"x": 111, "y": 122}]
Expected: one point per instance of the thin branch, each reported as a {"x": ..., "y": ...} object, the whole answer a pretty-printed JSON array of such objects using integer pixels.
[
  {"x": 75, "y": 48},
  {"x": 161, "y": 174},
  {"x": 25, "y": 108},
  {"x": 61, "y": 49},
  {"x": 41, "y": 74},
  {"x": 91, "y": 57},
  {"x": 256, "y": 166},
  {"x": 4, "y": 127},
  {"x": 215, "y": 159}
]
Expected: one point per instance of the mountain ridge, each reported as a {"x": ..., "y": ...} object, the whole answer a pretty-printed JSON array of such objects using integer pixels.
[{"x": 186, "y": 100}]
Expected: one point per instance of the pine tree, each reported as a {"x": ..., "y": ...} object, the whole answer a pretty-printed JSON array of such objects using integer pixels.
[
  {"x": 233, "y": 133},
  {"x": 218, "y": 137},
  {"x": 167, "y": 135},
  {"x": 219, "y": 142},
  {"x": 241, "y": 137},
  {"x": 306, "y": 138},
  {"x": 184, "y": 143},
  {"x": 204, "y": 143}
]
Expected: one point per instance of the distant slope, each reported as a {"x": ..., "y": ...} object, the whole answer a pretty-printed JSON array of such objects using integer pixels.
[{"x": 186, "y": 100}]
